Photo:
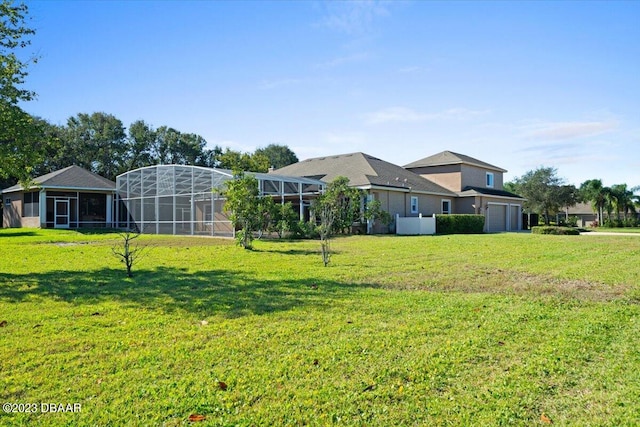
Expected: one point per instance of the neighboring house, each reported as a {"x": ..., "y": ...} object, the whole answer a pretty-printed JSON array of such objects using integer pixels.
[
  {"x": 478, "y": 186},
  {"x": 398, "y": 190},
  {"x": 583, "y": 211},
  {"x": 446, "y": 183},
  {"x": 68, "y": 198}
]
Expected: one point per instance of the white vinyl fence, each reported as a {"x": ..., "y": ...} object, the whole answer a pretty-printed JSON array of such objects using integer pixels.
[{"x": 415, "y": 225}]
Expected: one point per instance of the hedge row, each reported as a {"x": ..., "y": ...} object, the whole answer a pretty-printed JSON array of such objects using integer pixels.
[
  {"x": 459, "y": 224},
  {"x": 563, "y": 231}
]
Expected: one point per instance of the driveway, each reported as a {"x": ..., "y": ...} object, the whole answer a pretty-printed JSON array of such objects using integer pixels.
[{"x": 607, "y": 233}]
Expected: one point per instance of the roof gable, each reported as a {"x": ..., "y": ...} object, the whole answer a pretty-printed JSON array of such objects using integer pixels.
[
  {"x": 73, "y": 177},
  {"x": 451, "y": 158},
  {"x": 362, "y": 170}
]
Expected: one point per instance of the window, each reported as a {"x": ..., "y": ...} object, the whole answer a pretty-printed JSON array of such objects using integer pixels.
[
  {"x": 31, "y": 204},
  {"x": 7, "y": 201},
  {"x": 446, "y": 206},
  {"x": 414, "y": 205},
  {"x": 93, "y": 208},
  {"x": 490, "y": 179}
]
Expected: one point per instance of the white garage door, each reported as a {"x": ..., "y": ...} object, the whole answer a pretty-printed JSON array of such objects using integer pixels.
[{"x": 497, "y": 218}]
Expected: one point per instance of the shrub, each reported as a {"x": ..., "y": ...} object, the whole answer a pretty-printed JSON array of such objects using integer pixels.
[
  {"x": 304, "y": 230},
  {"x": 459, "y": 224},
  {"x": 564, "y": 231},
  {"x": 572, "y": 221}
]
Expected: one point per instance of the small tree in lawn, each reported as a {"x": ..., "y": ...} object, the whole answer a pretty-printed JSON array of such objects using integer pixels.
[
  {"x": 285, "y": 219},
  {"x": 337, "y": 208},
  {"x": 128, "y": 251},
  {"x": 243, "y": 200},
  {"x": 267, "y": 213}
]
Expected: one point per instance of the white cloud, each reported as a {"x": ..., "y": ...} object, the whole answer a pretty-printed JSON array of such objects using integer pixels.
[
  {"x": 567, "y": 130},
  {"x": 353, "y": 17},
  {"x": 408, "y": 115}
]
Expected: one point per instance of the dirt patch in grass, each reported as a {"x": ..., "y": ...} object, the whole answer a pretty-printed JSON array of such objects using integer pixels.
[{"x": 508, "y": 282}]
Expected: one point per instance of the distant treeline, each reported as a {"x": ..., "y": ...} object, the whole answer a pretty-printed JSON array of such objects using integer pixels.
[{"x": 99, "y": 142}]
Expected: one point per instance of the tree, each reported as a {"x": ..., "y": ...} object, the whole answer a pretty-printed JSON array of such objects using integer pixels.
[
  {"x": 140, "y": 143},
  {"x": 568, "y": 195},
  {"x": 373, "y": 211},
  {"x": 127, "y": 251},
  {"x": 267, "y": 211},
  {"x": 622, "y": 200},
  {"x": 594, "y": 192},
  {"x": 285, "y": 219},
  {"x": 19, "y": 151},
  {"x": 18, "y": 130},
  {"x": 236, "y": 160},
  {"x": 336, "y": 208},
  {"x": 13, "y": 36},
  {"x": 279, "y": 155},
  {"x": 636, "y": 197},
  {"x": 98, "y": 142},
  {"x": 243, "y": 197},
  {"x": 544, "y": 192}
]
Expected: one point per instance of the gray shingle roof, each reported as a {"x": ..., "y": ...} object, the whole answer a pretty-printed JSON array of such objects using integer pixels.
[
  {"x": 362, "y": 170},
  {"x": 469, "y": 190},
  {"x": 451, "y": 158},
  {"x": 72, "y": 177}
]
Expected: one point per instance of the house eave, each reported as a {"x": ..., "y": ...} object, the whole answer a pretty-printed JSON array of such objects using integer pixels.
[
  {"x": 403, "y": 190},
  {"x": 478, "y": 194}
]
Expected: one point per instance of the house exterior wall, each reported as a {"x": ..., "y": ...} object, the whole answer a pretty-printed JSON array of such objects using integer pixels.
[
  {"x": 477, "y": 177},
  {"x": 427, "y": 204},
  {"x": 392, "y": 202},
  {"x": 399, "y": 203},
  {"x": 465, "y": 205},
  {"x": 12, "y": 212},
  {"x": 447, "y": 176},
  {"x": 457, "y": 177}
]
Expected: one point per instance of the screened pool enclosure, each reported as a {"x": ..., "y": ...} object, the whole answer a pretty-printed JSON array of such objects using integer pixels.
[{"x": 187, "y": 200}]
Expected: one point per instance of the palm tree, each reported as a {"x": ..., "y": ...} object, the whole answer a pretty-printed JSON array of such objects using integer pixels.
[
  {"x": 598, "y": 195},
  {"x": 622, "y": 199}
]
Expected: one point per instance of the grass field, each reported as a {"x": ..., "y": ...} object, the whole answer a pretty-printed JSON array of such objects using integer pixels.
[{"x": 505, "y": 329}]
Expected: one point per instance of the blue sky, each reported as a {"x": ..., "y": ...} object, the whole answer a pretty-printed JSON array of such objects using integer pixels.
[{"x": 516, "y": 84}]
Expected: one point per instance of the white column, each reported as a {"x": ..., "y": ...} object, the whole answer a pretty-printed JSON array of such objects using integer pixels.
[
  {"x": 109, "y": 209},
  {"x": 43, "y": 209}
]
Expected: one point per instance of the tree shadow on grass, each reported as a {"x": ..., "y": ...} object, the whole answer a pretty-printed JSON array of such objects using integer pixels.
[
  {"x": 20, "y": 233},
  {"x": 215, "y": 292}
]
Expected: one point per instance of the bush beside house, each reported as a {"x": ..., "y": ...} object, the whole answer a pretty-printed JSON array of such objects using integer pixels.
[
  {"x": 459, "y": 224},
  {"x": 561, "y": 231}
]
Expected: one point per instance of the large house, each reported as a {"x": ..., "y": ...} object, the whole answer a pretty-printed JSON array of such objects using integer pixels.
[
  {"x": 445, "y": 183},
  {"x": 174, "y": 199}
]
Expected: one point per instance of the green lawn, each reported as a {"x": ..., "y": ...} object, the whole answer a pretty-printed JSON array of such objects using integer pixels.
[{"x": 504, "y": 329}]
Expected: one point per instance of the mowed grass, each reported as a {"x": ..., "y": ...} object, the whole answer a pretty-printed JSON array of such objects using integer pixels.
[{"x": 506, "y": 329}]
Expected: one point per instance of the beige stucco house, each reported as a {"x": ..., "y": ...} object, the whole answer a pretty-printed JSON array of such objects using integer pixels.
[
  {"x": 445, "y": 183},
  {"x": 400, "y": 191},
  {"x": 478, "y": 187}
]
